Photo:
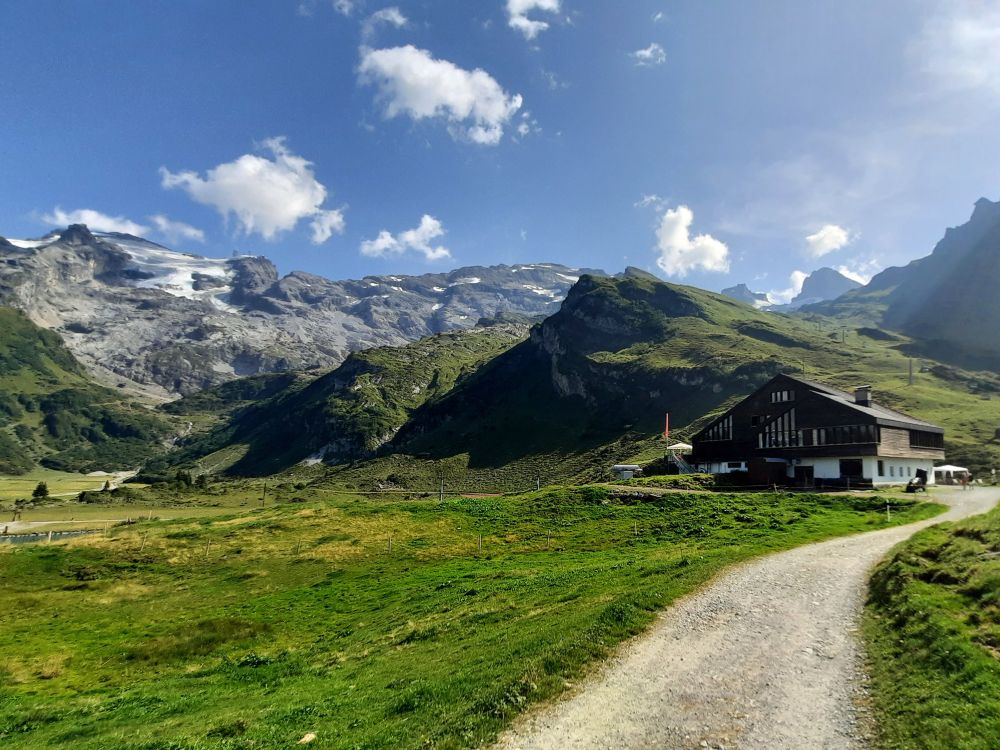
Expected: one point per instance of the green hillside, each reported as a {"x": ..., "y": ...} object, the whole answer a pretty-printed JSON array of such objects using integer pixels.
[
  {"x": 345, "y": 414},
  {"x": 622, "y": 352},
  {"x": 588, "y": 388},
  {"x": 51, "y": 413}
]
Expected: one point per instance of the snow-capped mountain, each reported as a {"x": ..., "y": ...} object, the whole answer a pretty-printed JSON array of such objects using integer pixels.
[{"x": 143, "y": 315}]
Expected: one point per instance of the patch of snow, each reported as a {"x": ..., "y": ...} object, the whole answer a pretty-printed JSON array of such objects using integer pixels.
[
  {"x": 173, "y": 272},
  {"x": 463, "y": 317},
  {"x": 397, "y": 288},
  {"x": 438, "y": 288},
  {"x": 466, "y": 280},
  {"x": 372, "y": 283},
  {"x": 438, "y": 306},
  {"x": 570, "y": 279},
  {"x": 28, "y": 244},
  {"x": 541, "y": 292}
]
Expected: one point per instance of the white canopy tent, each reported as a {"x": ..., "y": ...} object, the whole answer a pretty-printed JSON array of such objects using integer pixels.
[{"x": 949, "y": 474}]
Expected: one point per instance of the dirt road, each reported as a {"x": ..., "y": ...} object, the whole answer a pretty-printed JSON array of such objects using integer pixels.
[{"x": 764, "y": 657}]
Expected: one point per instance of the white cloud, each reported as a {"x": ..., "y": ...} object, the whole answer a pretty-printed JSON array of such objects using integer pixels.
[
  {"x": 651, "y": 55},
  {"x": 414, "y": 83},
  {"x": 659, "y": 16},
  {"x": 176, "y": 231},
  {"x": 391, "y": 16},
  {"x": 959, "y": 46},
  {"x": 325, "y": 224},
  {"x": 826, "y": 239},
  {"x": 681, "y": 253},
  {"x": 517, "y": 15},
  {"x": 95, "y": 220},
  {"x": 649, "y": 199},
  {"x": 267, "y": 196},
  {"x": 418, "y": 239},
  {"x": 344, "y": 7},
  {"x": 860, "y": 271},
  {"x": 784, "y": 296}
]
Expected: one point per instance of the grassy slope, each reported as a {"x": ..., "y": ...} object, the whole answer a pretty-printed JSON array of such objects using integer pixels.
[
  {"x": 299, "y": 619},
  {"x": 636, "y": 348},
  {"x": 51, "y": 412},
  {"x": 479, "y": 411},
  {"x": 351, "y": 411},
  {"x": 933, "y": 630}
]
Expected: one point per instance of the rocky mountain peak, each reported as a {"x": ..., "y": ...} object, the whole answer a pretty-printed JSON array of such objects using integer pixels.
[
  {"x": 77, "y": 234},
  {"x": 743, "y": 293},
  {"x": 823, "y": 284}
]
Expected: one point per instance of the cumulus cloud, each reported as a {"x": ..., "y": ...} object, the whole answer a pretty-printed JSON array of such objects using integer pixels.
[
  {"x": 412, "y": 82},
  {"x": 681, "y": 253},
  {"x": 784, "y": 296},
  {"x": 860, "y": 270},
  {"x": 176, "y": 231},
  {"x": 517, "y": 15},
  {"x": 418, "y": 240},
  {"x": 391, "y": 16},
  {"x": 267, "y": 196},
  {"x": 327, "y": 223},
  {"x": 651, "y": 55},
  {"x": 826, "y": 239},
  {"x": 95, "y": 220}
]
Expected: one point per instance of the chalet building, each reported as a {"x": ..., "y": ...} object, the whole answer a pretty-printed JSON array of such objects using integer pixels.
[{"x": 800, "y": 431}]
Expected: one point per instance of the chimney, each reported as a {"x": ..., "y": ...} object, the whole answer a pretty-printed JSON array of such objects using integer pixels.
[{"x": 863, "y": 395}]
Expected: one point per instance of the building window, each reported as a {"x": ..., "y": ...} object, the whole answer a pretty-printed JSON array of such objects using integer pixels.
[
  {"x": 780, "y": 432},
  {"x": 921, "y": 439},
  {"x": 780, "y": 397},
  {"x": 721, "y": 430},
  {"x": 892, "y": 471},
  {"x": 734, "y": 465},
  {"x": 881, "y": 468}
]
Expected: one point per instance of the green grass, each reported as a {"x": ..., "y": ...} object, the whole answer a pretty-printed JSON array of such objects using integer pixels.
[
  {"x": 932, "y": 627},
  {"x": 254, "y": 629},
  {"x": 59, "y": 482}
]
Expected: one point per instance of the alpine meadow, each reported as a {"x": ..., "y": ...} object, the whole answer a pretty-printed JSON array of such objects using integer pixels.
[{"x": 516, "y": 375}]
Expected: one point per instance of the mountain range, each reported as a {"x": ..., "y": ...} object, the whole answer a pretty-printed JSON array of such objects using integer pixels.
[
  {"x": 821, "y": 285},
  {"x": 163, "y": 323},
  {"x": 558, "y": 393}
]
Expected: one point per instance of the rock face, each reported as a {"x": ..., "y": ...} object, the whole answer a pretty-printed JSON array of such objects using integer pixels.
[
  {"x": 823, "y": 284},
  {"x": 945, "y": 301},
  {"x": 948, "y": 299},
  {"x": 742, "y": 293},
  {"x": 136, "y": 312}
]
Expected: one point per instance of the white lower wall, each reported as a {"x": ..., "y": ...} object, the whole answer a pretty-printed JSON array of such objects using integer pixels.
[{"x": 898, "y": 470}]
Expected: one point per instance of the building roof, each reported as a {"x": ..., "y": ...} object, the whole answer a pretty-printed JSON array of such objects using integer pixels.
[{"x": 882, "y": 414}]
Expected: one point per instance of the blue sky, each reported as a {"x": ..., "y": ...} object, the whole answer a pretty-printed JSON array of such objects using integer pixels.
[{"x": 708, "y": 142}]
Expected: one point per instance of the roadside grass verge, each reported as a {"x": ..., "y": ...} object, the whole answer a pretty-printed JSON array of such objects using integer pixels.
[
  {"x": 932, "y": 627},
  {"x": 254, "y": 629}
]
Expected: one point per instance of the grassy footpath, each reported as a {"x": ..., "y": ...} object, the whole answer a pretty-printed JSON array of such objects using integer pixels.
[
  {"x": 255, "y": 629},
  {"x": 932, "y": 627}
]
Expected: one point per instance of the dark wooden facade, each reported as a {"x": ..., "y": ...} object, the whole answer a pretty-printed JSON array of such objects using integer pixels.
[{"x": 790, "y": 418}]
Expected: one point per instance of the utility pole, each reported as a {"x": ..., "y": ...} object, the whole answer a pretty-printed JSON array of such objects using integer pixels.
[
  {"x": 264, "y": 494},
  {"x": 911, "y": 370}
]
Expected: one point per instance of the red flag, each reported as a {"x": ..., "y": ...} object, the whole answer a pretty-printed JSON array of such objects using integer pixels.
[{"x": 666, "y": 425}]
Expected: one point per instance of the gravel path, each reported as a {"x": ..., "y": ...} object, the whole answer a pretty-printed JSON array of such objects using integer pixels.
[{"x": 764, "y": 657}]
